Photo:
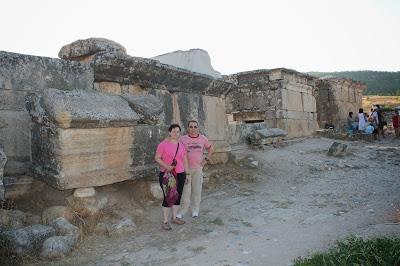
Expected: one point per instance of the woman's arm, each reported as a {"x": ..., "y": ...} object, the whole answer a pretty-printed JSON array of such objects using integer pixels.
[{"x": 158, "y": 159}]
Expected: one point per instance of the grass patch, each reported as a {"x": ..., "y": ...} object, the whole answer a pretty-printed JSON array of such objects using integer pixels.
[
  {"x": 357, "y": 251},
  {"x": 248, "y": 224},
  {"x": 217, "y": 221}
]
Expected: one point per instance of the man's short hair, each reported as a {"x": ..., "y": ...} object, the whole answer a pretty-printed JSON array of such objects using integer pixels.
[{"x": 193, "y": 121}]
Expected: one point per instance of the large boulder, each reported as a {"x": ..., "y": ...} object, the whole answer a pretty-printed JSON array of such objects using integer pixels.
[
  {"x": 28, "y": 240},
  {"x": 82, "y": 50}
]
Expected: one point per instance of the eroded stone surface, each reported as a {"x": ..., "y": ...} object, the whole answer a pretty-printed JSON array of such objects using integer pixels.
[{"x": 81, "y": 49}]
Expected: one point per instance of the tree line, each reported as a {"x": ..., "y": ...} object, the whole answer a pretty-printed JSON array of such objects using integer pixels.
[{"x": 378, "y": 82}]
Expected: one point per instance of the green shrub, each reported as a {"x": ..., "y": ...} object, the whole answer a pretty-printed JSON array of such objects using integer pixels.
[{"x": 356, "y": 251}]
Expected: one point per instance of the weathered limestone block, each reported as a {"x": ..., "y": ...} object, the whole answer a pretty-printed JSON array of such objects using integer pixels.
[
  {"x": 146, "y": 138},
  {"x": 148, "y": 73},
  {"x": 80, "y": 109},
  {"x": 108, "y": 87},
  {"x": 81, "y": 138},
  {"x": 3, "y": 161},
  {"x": 16, "y": 186},
  {"x": 266, "y": 136},
  {"x": 81, "y": 50},
  {"x": 21, "y": 74},
  {"x": 148, "y": 106}
]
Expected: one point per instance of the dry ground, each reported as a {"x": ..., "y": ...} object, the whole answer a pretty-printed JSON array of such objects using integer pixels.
[{"x": 298, "y": 201}]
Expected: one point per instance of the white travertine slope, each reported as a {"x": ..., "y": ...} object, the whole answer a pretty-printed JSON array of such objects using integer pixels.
[{"x": 195, "y": 60}]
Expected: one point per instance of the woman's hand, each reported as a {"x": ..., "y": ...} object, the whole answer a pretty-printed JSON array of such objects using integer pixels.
[
  {"x": 169, "y": 168},
  {"x": 188, "y": 177}
]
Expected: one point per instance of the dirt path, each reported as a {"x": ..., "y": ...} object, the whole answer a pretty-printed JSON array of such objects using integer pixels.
[{"x": 301, "y": 201}]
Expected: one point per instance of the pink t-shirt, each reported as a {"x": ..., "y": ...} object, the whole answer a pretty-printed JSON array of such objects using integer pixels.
[
  {"x": 195, "y": 147},
  {"x": 167, "y": 151}
]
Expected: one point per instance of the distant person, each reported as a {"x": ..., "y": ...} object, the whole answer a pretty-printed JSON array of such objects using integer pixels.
[
  {"x": 396, "y": 122},
  {"x": 351, "y": 124},
  {"x": 381, "y": 121},
  {"x": 361, "y": 120},
  {"x": 195, "y": 144},
  {"x": 171, "y": 157}
]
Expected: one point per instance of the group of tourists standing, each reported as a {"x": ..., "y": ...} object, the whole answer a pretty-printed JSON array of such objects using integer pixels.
[
  {"x": 372, "y": 123},
  {"x": 181, "y": 160}
]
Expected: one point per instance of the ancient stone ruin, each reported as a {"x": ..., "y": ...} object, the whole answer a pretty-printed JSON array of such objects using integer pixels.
[{"x": 95, "y": 116}]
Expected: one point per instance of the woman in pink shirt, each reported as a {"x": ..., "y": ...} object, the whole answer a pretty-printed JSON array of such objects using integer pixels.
[{"x": 169, "y": 151}]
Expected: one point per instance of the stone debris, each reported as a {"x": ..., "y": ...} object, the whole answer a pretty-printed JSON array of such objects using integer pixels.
[
  {"x": 121, "y": 227},
  {"x": 156, "y": 191},
  {"x": 82, "y": 50},
  {"x": 65, "y": 228},
  {"x": 15, "y": 219},
  {"x": 337, "y": 149},
  {"x": 3, "y": 161},
  {"x": 57, "y": 247},
  {"x": 84, "y": 192},
  {"x": 51, "y": 213}
]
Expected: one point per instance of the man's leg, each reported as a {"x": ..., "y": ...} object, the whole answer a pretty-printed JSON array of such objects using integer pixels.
[
  {"x": 185, "y": 200},
  {"x": 197, "y": 185}
]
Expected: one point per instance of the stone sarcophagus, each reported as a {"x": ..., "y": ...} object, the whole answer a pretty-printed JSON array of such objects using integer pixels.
[{"x": 81, "y": 138}]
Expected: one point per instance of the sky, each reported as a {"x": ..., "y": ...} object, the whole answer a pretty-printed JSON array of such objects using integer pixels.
[{"x": 304, "y": 35}]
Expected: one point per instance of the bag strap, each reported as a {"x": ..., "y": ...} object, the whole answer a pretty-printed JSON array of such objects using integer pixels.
[{"x": 177, "y": 148}]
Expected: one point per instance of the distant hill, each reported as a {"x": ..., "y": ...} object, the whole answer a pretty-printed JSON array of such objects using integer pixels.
[{"x": 378, "y": 82}]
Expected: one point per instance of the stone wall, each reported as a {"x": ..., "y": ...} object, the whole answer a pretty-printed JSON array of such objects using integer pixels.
[
  {"x": 279, "y": 98},
  {"x": 336, "y": 98},
  {"x": 184, "y": 95},
  {"x": 22, "y": 74},
  {"x": 98, "y": 115}
]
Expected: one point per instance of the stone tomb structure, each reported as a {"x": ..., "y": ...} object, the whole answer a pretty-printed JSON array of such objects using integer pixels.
[
  {"x": 336, "y": 98},
  {"x": 96, "y": 116}
]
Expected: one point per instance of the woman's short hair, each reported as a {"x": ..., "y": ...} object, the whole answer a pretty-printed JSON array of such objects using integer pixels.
[
  {"x": 360, "y": 111},
  {"x": 171, "y": 127}
]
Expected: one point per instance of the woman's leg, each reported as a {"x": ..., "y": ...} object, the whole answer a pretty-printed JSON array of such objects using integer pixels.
[{"x": 165, "y": 211}]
